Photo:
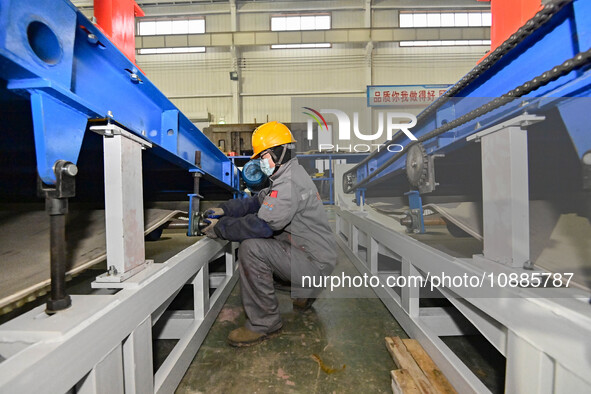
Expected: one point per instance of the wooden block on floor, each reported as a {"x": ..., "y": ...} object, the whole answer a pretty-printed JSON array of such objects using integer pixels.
[
  {"x": 434, "y": 374},
  {"x": 404, "y": 360},
  {"x": 403, "y": 383}
]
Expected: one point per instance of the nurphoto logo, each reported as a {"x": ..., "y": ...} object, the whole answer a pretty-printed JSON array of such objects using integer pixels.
[{"x": 394, "y": 122}]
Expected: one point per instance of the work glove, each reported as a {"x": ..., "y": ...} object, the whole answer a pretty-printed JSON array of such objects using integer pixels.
[
  {"x": 214, "y": 213},
  {"x": 209, "y": 230}
]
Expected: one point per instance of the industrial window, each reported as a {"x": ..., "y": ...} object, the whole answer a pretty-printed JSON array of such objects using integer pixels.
[
  {"x": 443, "y": 43},
  {"x": 445, "y": 19},
  {"x": 171, "y": 26},
  {"x": 300, "y": 46},
  {"x": 290, "y": 22},
  {"x": 154, "y": 51}
]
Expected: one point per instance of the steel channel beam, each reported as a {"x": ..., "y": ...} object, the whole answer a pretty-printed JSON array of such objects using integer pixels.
[
  {"x": 560, "y": 39},
  {"x": 559, "y": 327},
  {"x": 78, "y": 339},
  {"x": 454, "y": 369},
  {"x": 50, "y": 52}
]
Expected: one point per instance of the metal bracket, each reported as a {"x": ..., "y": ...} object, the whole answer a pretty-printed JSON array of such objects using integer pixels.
[
  {"x": 430, "y": 184},
  {"x": 415, "y": 213},
  {"x": 110, "y": 130},
  {"x": 360, "y": 197},
  {"x": 124, "y": 206},
  {"x": 521, "y": 121},
  {"x": 505, "y": 192}
]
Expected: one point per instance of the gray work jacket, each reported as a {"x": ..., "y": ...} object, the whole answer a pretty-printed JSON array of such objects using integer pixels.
[{"x": 292, "y": 207}]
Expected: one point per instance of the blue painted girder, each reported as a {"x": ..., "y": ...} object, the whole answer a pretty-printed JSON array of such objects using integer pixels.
[
  {"x": 562, "y": 37},
  {"x": 72, "y": 72}
]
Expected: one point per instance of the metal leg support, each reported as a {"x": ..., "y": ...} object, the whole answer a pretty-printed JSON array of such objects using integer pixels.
[
  {"x": 194, "y": 206},
  {"x": 505, "y": 192},
  {"x": 124, "y": 206},
  {"x": 56, "y": 205},
  {"x": 137, "y": 359},
  {"x": 360, "y": 197},
  {"x": 415, "y": 203},
  {"x": 528, "y": 369},
  {"x": 105, "y": 377}
]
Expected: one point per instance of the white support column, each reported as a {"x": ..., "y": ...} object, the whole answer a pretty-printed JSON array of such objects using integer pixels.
[
  {"x": 201, "y": 292},
  {"x": 505, "y": 192},
  {"x": 137, "y": 359},
  {"x": 230, "y": 259},
  {"x": 367, "y": 16},
  {"x": 529, "y": 370},
  {"x": 369, "y": 72},
  {"x": 409, "y": 296},
  {"x": 124, "y": 202},
  {"x": 106, "y": 377},
  {"x": 368, "y": 63},
  {"x": 236, "y": 85},
  {"x": 372, "y": 254},
  {"x": 355, "y": 240},
  {"x": 233, "y": 16}
]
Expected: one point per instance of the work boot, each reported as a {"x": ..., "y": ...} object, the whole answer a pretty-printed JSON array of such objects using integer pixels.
[
  {"x": 302, "y": 304},
  {"x": 242, "y": 337}
]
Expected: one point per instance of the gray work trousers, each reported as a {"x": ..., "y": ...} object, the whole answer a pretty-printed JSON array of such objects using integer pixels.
[{"x": 259, "y": 259}]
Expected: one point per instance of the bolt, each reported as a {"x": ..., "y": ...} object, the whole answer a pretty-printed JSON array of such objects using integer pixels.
[
  {"x": 528, "y": 265},
  {"x": 70, "y": 169},
  {"x": 112, "y": 270},
  {"x": 587, "y": 158},
  {"x": 134, "y": 77},
  {"x": 92, "y": 38}
]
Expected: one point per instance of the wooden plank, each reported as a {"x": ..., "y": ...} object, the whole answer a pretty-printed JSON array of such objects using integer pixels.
[
  {"x": 404, "y": 360},
  {"x": 434, "y": 374},
  {"x": 403, "y": 383}
]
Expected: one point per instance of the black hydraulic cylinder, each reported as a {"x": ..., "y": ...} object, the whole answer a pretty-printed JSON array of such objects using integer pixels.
[
  {"x": 58, "y": 300},
  {"x": 56, "y": 205}
]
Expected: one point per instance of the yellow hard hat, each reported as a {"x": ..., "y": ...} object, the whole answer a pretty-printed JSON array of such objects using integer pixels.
[{"x": 269, "y": 135}]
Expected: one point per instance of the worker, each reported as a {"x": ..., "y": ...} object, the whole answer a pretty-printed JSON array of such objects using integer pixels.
[{"x": 283, "y": 231}]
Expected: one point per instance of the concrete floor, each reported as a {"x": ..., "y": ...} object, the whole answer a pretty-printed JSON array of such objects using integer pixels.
[
  {"x": 341, "y": 332},
  {"x": 344, "y": 329}
]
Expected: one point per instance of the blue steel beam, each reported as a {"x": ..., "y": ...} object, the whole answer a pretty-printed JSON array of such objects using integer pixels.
[
  {"x": 565, "y": 35},
  {"x": 52, "y": 53}
]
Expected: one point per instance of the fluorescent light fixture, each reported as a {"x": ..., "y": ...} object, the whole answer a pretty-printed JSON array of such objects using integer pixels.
[
  {"x": 301, "y": 46},
  {"x": 158, "y": 51},
  {"x": 439, "y": 43}
]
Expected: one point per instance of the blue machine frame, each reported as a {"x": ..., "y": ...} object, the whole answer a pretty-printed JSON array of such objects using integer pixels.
[
  {"x": 565, "y": 35},
  {"x": 72, "y": 73},
  {"x": 329, "y": 176}
]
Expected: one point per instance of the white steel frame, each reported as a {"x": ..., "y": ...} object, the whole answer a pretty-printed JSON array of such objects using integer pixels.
[
  {"x": 543, "y": 333},
  {"x": 103, "y": 342}
]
